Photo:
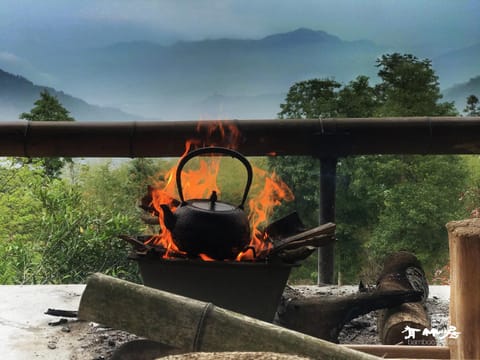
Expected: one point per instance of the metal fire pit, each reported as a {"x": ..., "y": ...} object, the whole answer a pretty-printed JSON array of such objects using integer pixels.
[{"x": 250, "y": 288}]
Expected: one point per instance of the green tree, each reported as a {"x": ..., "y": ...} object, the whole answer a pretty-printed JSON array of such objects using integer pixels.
[
  {"x": 311, "y": 99},
  {"x": 357, "y": 99},
  {"x": 409, "y": 87},
  {"x": 473, "y": 107},
  {"x": 369, "y": 223},
  {"x": 47, "y": 108},
  {"x": 307, "y": 99}
]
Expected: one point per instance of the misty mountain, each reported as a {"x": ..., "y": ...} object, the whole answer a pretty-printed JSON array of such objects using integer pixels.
[
  {"x": 460, "y": 92},
  {"x": 221, "y": 78},
  {"x": 250, "y": 107},
  {"x": 457, "y": 66},
  {"x": 18, "y": 95},
  {"x": 169, "y": 82}
]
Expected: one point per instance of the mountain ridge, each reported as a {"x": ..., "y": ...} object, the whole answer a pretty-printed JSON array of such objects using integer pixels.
[
  {"x": 459, "y": 92},
  {"x": 180, "y": 80},
  {"x": 18, "y": 94}
]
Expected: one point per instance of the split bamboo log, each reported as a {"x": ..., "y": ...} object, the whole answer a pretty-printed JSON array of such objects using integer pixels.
[
  {"x": 194, "y": 325},
  {"x": 403, "y": 271},
  {"x": 464, "y": 243}
]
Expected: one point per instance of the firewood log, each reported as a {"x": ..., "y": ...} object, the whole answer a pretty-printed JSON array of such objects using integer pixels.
[
  {"x": 403, "y": 271},
  {"x": 325, "y": 316},
  {"x": 194, "y": 325}
]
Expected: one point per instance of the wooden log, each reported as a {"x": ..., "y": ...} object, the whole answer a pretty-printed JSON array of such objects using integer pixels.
[
  {"x": 193, "y": 325},
  {"x": 295, "y": 255},
  {"x": 325, "y": 316},
  {"x": 403, "y": 271},
  {"x": 404, "y": 352},
  {"x": 62, "y": 313},
  {"x": 327, "y": 230},
  {"x": 464, "y": 243}
]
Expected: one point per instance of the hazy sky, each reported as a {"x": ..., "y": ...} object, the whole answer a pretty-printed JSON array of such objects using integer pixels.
[{"x": 97, "y": 22}]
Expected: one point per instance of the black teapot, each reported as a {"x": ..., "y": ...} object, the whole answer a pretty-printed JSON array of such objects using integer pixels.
[{"x": 207, "y": 226}]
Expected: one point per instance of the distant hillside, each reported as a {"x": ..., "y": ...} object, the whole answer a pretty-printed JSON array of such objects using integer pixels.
[
  {"x": 168, "y": 81},
  {"x": 459, "y": 65},
  {"x": 18, "y": 95},
  {"x": 220, "y": 78},
  {"x": 251, "y": 107},
  {"x": 460, "y": 92}
]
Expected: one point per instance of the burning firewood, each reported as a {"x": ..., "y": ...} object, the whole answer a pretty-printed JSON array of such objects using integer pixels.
[
  {"x": 288, "y": 225},
  {"x": 318, "y": 236},
  {"x": 193, "y": 325},
  {"x": 286, "y": 246}
]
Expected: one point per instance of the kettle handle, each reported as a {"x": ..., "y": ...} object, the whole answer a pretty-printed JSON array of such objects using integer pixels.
[{"x": 216, "y": 150}]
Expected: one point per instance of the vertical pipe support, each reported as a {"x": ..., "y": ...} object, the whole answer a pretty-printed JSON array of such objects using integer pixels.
[{"x": 326, "y": 254}]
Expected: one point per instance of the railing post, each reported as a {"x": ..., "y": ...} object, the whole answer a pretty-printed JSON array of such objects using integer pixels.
[{"x": 326, "y": 254}]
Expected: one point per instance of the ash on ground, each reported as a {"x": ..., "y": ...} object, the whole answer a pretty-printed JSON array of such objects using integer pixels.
[{"x": 363, "y": 329}]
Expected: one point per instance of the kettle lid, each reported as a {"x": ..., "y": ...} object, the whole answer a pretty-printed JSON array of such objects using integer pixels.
[{"x": 211, "y": 204}]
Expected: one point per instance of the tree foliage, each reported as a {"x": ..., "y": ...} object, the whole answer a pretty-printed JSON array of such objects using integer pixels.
[
  {"x": 384, "y": 203},
  {"x": 473, "y": 107},
  {"x": 409, "y": 87},
  {"x": 317, "y": 96},
  {"x": 62, "y": 230},
  {"x": 47, "y": 108}
]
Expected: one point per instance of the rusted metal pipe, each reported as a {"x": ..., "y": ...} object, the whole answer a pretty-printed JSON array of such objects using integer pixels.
[{"x": 316, "y": 137}]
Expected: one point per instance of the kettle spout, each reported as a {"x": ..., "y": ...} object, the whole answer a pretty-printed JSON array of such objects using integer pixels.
[{"x": 169, "y": 218}]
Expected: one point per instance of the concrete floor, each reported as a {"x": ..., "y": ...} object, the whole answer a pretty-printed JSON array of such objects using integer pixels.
[{"x": 24, "y": 329}]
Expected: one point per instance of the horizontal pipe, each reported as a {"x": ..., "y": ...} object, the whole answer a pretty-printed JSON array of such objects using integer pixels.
[{"x": 317, "y": 137}]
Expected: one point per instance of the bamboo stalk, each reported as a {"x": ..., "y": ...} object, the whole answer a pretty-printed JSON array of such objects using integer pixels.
[
  {"x": 315, "y": 137},
  {"x": 464, "y": 243},
  {"x": 193, "y": 325},
  {"x": 404, "y": 352}
]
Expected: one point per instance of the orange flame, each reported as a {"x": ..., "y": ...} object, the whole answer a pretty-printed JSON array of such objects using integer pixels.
[
  {"x": 261, "y": 208},
  {"x": 198, "y": 183}
]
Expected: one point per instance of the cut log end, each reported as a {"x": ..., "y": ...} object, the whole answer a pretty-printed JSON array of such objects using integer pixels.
[{"x": 406, "y": 323}]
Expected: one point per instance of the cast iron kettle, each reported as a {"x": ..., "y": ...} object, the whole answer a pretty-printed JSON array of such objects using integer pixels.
[{"x": 217, "y": 229}]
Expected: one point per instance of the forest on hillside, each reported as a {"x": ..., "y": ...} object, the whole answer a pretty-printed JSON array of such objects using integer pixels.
[{"x": 61, "y": 217}]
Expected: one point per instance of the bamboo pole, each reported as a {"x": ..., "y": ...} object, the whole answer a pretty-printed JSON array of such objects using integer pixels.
[
  {"x": 404, "y": 352},
  {"x": 193, "y": 325},
  {"x": 316, "y": 137},
  {"x": 464, "y": 243}
]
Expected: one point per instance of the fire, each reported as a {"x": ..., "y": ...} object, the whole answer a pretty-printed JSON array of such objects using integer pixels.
[
  {"x": 261, "y": 208},
  {"x": 198, "y": 183}
]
